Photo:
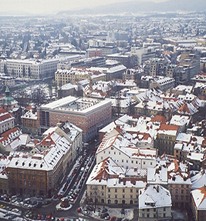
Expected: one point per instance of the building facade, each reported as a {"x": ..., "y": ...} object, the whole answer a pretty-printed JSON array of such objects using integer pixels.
[
  {"x": 88, "y": 114},
  {"x": 6, "y": 121},
  {"x": 155, "y": 204},
  {"x": 40, "y": 172},
  {"x": 31, "y": 69}
]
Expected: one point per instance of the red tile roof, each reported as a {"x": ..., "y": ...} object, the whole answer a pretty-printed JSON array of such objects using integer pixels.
[
  {"x": 184, "y": 109},
  {"x": 159, "y": 118},
  {"x": 5, "y": 117},
  {"x": 47, "y": 141},
  {"x": 168, "y": 127},
  {"x": 5, "y": 135}
]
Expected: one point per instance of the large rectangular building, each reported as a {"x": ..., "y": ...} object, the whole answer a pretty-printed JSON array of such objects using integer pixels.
[
  {"x": 88, "y": 114},
  {"x": 34, "y": 69},
  {"x": 39, "y": 172}
]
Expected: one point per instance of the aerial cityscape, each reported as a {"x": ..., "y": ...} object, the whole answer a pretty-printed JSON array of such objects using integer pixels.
[{"x": 103, "y": 111}]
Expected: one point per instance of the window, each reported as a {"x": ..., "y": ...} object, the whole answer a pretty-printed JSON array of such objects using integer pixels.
[
  {"x": 131, "y": 190},
  {"x": 109, "y": 190},
  {"x": 164, "y": 215},
  {"x": 115, "y": 190},
  {"x": 123, "y": 190}
]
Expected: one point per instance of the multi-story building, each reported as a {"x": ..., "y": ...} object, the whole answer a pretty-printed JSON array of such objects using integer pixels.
[
  {"x": 133, "y": 74},
  {"x": 149, "y": 108},
  {"x": 143, "y": 54},
  {"x": 174, "y": 176},
  {"x": 8, "y": 81},
  {"x": 34, "y": 69},
  {"x": 112, "y": 184},
  {"x": 29, "y": 122},
  {"x": 142, "y": 130},
  {"x": 198, "y": 203},
  {"x": 126, "y": 154},
  {"x": 190, "y": 148},
  {"x": 75, "y": 75},
  {"x": 8, "y": 138},
  {"x": 94, "y": 52},
  {"x": 6, "y": 121},
  {"x": 166, "y": 137},
  {"x": 155, "y": 67},
  {"x": 88, "y": 114},
  {"x": 181, "y": 121},
  {"x": 179, "y": 184},
  {"x": 170, "y": 70},
  {"x": 128, "y": 60},
  {"x": 155, "y": 204},
  {"x": 163, "y": 83},
  {"x": 39, "y": 174}
]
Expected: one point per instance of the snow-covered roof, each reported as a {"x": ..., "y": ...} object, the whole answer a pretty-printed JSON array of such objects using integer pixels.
[
  {"x": 110, "y": 174},
  {"x": 199, "y": 180},
  {"x": 155, "y": 196},
  {"x": 43, "y": 161},
  {"x": 179, "y": 120},
  {"x": 30, "y": 115},
  {"x": 125, "y": 145},
  {"x": 74, "y": 104},
  {"x": 199, "y": 197},
  {"x": 168, "y": 129},
  {"x": 157, "y": 175},
  {"x": 178, "y": 173}
]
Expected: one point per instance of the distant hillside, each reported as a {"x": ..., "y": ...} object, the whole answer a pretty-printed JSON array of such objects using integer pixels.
[{"x": 141, "y": 6}]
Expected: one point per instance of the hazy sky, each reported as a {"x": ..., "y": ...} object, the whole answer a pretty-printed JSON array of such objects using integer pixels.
[{"x": 50, "y": 6}]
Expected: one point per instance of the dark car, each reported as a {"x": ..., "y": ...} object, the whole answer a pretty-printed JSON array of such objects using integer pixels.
[
  {"x": 90, "y": 208},
  {"x": 103, "y": 215}
]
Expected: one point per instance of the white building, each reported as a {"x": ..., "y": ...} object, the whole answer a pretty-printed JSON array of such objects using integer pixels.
[
  {"x": 124, "y": 152},
  {"x": 34, "y": 69},
  {"x": 155, "y": 204},
  {"x": 181, "y": 121},
  {"x": 48, "y": 162},
  {"x": 6, "y": 120},
  {"x": 110, "y": 183}
]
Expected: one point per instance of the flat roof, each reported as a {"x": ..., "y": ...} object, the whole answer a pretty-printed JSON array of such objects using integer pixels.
[{"x": 74, "y": 104}]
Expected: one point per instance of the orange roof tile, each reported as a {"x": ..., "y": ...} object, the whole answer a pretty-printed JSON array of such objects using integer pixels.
[
  {"x": 47, "y": 141},
  {"x": 168, "y": 127},
  {"x": 184, "y": 108},
  {"x": 158, "y": 118}
]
